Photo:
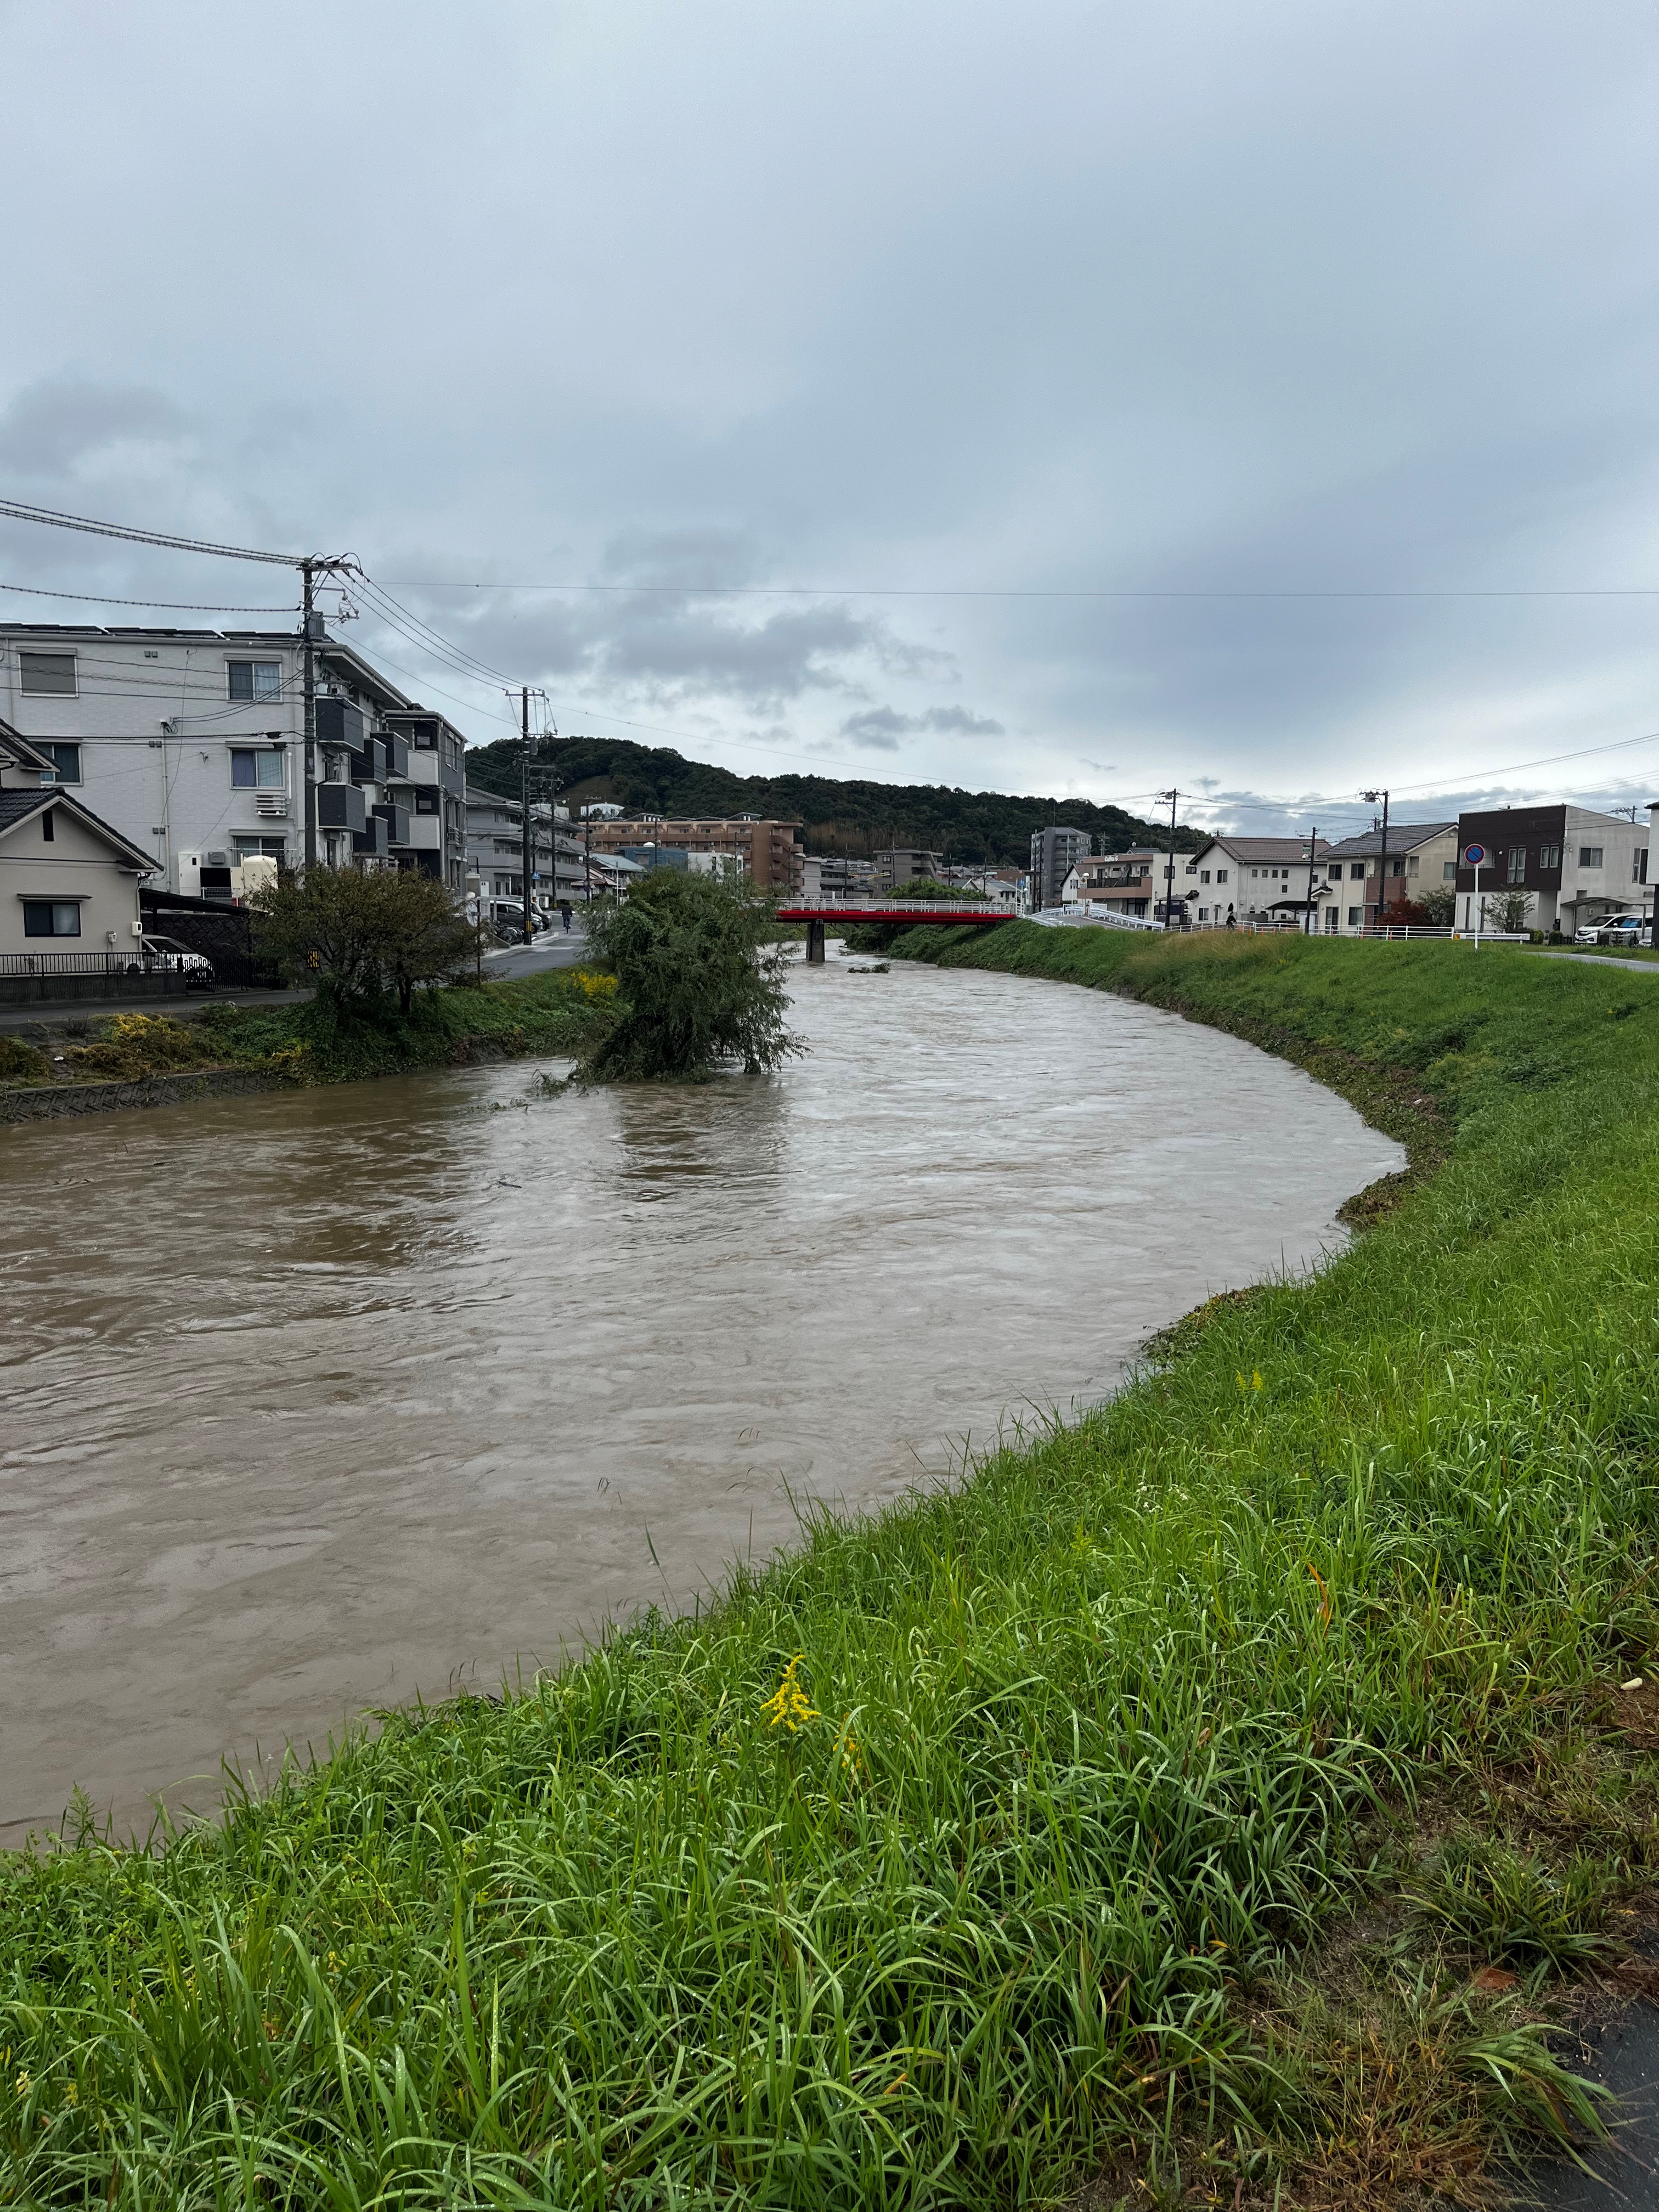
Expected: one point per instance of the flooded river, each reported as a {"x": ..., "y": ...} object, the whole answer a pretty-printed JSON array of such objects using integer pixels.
[{"x": 317, "y": 1401}]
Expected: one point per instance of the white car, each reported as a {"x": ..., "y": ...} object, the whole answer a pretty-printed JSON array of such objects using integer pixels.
[
  {"x": 1615, "y": 929},
  {"x": 166, "y": 955}
]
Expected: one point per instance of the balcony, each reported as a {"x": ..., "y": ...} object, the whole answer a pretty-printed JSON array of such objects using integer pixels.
[
  {"x": 371, "y": 842},
  {"x": 396, "y": 749},
  {"x": 424, "y": 833},
  {"x": 342, "y": 806},
  {"x": 396, "y": 819},
  {"x": 337, "y": 724},
  {"x": 421, "y": 767}
]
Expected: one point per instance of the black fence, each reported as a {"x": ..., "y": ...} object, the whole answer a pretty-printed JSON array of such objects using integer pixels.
[{"x": 224, "y": 934}]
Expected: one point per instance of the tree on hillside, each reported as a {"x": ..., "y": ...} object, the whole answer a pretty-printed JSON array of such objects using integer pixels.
[
  {"x": 698, "y": 983},
  {"x": 851, "y": 816},
  {"x": 362, "y": 938}
]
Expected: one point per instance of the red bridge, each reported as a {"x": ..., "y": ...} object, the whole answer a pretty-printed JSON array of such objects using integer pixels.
[{"x": 817, "y": 913}]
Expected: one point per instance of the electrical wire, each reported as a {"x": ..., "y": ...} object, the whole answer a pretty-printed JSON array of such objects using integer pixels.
[
  {"x": 177, "y": 606},
  {"x": 21, "y": 511}
]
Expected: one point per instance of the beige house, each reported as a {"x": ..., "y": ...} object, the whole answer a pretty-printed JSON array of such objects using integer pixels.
[{"x": 68, "y": 884}]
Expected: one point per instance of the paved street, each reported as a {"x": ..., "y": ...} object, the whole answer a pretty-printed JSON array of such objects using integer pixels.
[{"x": 554, "y": 950}]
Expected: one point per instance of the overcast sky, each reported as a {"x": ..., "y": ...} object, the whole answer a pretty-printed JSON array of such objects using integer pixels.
[{"x": 954, "y": 314}]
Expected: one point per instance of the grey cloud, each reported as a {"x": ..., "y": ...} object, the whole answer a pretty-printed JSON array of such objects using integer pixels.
[
  {"x": 54, "y": 424},
  {"x": 884, "y": 727}
]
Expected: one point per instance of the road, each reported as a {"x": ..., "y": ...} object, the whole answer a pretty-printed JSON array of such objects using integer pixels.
[{"x": 554, "y": 950}]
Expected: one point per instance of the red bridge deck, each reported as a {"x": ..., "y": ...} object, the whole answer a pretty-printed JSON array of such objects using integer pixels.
[{"x": 893, "y": 910}]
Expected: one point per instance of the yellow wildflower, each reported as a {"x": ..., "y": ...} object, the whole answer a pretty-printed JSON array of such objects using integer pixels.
[{"x": 788, "y": 1704}]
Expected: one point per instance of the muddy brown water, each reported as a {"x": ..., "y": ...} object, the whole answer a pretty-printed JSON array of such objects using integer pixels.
[{"x": 318, "y": 1401}]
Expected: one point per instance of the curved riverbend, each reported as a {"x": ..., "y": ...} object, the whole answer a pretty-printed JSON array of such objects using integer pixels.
[{"x": 321, "y": 1399}]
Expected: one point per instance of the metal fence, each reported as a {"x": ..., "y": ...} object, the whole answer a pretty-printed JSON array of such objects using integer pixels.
[{"x": 81, "y": 964}]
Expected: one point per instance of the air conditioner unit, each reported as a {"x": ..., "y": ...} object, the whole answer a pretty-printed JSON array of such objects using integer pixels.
[
  {"x": 217, "y": 859},
  {"x": 271, "y": 805}
]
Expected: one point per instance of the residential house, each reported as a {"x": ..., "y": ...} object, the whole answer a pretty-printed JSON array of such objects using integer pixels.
[
  {"x": 494, "y": 856},
  {"x": 191, "y": 743},
  {"x": 1422, "y": 856},
  {"x": 1129, "y": 884},
  {"x": 69, "y": 882},
  {"x": 1575, "y": 865},
  {"x": 1261, "y": 882}
]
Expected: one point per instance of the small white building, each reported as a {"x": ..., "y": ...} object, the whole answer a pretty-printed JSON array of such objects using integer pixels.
[
  {"x": 1262, "y": 881},
  {"x": 69, "y": 882}
]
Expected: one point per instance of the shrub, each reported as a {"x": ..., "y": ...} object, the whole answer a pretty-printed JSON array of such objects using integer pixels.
[{"x": 21, "y": 1063}]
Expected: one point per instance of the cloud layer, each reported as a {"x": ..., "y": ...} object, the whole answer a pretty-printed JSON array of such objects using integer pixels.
[{"x": 827, "y": 374}]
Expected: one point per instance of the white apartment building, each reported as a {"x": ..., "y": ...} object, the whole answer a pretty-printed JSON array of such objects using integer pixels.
[
  {"x": 1260, "y": 880},
  {"x": 192, "y": 743}
]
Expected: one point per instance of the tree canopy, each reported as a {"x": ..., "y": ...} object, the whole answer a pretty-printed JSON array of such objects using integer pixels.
[
  {"x": 699, "y": 984},
  {"x": 851, "y": 816},
  {"x": 360, "y": 938}
]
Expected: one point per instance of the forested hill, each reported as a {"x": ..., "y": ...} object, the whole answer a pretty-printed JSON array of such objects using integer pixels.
[{"x": 839, "y": 816}]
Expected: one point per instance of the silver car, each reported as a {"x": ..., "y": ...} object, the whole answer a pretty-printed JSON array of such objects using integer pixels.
[
  {"x": 166, "y": 955},
  {"x": 1614, "y": 929}
]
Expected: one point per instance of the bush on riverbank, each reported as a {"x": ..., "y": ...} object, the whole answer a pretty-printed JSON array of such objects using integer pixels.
[
  {"x": 990, "y": 1846},
  {"x": 320, "y": 1041}
]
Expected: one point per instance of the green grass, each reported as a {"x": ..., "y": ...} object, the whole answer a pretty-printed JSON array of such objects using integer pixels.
[{"x": 1018, "y": 1838}]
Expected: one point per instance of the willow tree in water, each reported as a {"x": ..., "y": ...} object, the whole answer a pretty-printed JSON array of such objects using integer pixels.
[{"x": 699, "y": 979}]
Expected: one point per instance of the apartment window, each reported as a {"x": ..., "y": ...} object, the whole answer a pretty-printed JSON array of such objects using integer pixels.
[
  {"x": 51, "y": 917},
  {"x": 48, "y": 829},
  {"x": 47, "y": 675},
  {"x": 260, "y": 848},
  {"x": 65, "y": 760},
  {"x": 1221, "y": 875},
  {"x": 1549, "y": 856},
  {"x": 1517, "y": 864},
  {"x": 1590, "y": 856},
  {"x": 426, "y": 802},
  {"x": 1334, "y": 871},
  {"x": 1398, "y": 867},
  {"x": 256, "y": 768},
  {"x": 1356, "y": 915},
  {"x": 1356, "y": 872},
  {"x": 255, "y": 679}
]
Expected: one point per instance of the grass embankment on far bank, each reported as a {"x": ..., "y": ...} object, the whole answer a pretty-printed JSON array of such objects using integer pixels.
[
  {"x": 311, "y": 1043},
  {"x": 1199, "y": 1805}
]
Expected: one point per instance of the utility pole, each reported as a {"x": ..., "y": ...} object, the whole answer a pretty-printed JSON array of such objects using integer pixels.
[
  {"x": 308, "y": 572},
  {"x": 1313, "y": 847},
  {"x": 524, "y": 809},
  {"x": 1371, "y": 798},
  {"x": 1168, "y": 865}
]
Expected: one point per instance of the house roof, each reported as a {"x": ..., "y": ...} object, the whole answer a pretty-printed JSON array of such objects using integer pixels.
[
  {"x": 17, "y": 807},
  {"x": 22, "y": 752},
  {"x": 1403, "y": 837},
  {"x": 1274, "y": 850}
]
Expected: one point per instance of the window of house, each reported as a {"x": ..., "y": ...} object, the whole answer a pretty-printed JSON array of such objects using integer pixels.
[
  {"x": 426, "y": 802},
  {"x": 1221, "y": 875},
  {"x": 48, "y": 829},
  {"x": 1204, "y": 876},
  {"x": 1355, "y": 913},
  {"x": 1590, "y": 856},
  {"x": 1411, "y": 864},
  {"x": 1638, "y": 866},
  {"x": 1518, "y": 857},
  {"x": 1334, "y": 871},
  {"x": 1396, "y": 867},
  {"x": 255, "y": 679},
  {"x": 260, "y": 848},
  {"x": 256, "y": 768},
  {"x": 1204, "y": 913},
  {"x": 1448, "y": 872},
  {"x": 51, "y": 917},
  {"x": 1356, "y": 872},
  {"x": 65, "y": 760},
  {"x": 47, "y": 675},
  {"x": 1549, "y": 856}
]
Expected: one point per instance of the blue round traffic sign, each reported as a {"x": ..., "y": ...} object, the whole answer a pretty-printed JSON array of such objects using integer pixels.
[{"x": 1474, "y": 856}]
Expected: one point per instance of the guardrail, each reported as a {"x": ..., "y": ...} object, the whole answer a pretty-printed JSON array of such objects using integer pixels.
[
  {"x": 839, "y": 902},
  {"x": 88, "y": 963}
]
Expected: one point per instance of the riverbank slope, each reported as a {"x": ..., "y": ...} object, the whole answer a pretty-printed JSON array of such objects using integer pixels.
[{"x": 1210, "y": 1793}]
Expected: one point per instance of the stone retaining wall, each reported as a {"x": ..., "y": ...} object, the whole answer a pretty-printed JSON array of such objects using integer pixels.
[
  {"x": 51, "y": 1101},
  {"x": 50, "y": 991}
]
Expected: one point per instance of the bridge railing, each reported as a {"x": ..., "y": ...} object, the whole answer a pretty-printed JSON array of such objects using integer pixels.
[{"x": 836, "y": 903}]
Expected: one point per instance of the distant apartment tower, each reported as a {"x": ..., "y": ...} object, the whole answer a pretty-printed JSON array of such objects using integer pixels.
[
  {"x": 768, "y": 851},
  {"x": 1054, "y": 853},
  {"x": 905, "y": 864}
]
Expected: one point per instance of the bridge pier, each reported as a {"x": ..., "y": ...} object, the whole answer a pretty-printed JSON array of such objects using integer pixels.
[{"x": 815, "y": 943}]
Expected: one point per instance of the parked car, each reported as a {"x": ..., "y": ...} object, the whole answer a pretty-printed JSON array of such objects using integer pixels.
[
  {"x": 1614, "y": 929},
  {"x": 166, "y": 955}
]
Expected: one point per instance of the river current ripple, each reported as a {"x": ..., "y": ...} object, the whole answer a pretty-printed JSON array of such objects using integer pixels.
[{"x": 319, "y": 1401}]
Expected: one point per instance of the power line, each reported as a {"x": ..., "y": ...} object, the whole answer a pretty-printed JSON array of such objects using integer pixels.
[
  {"x": 177, "y": 606},
  {"x": 21, "y": 511}
]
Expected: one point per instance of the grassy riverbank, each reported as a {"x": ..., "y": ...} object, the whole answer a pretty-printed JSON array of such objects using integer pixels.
[
  {"x": 1216, "y": 1791},
  {"x": 309, "y": 1042}
]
